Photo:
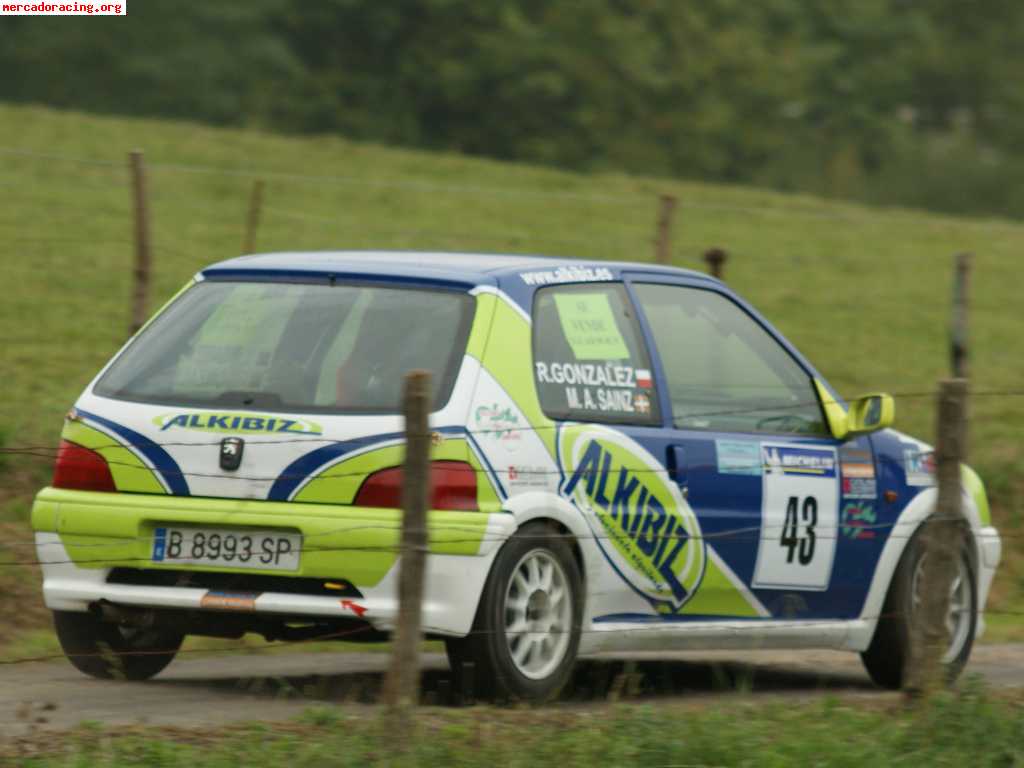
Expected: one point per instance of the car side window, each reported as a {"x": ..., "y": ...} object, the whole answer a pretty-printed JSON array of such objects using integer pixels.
[
  {"x": 724, "y": 371},
  {"x": 590, "y": 362}
]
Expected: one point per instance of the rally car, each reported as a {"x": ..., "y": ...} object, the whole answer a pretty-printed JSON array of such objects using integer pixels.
[{"x": 624, "y": 456}]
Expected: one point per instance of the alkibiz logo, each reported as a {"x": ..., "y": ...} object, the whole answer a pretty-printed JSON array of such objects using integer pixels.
[
  {"x": 647, "y": 530},
  {"x": 236, "y": 422}
]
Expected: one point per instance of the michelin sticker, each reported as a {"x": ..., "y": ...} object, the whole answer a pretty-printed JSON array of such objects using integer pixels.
[
  {"x": 642, "y": 524},
  {"x": 799, "y": 510}
]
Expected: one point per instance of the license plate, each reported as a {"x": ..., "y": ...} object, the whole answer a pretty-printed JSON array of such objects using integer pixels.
[{"x": 264, "y": 550}]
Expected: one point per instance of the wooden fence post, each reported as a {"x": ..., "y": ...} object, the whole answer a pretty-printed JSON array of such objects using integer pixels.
[
  {"x": 401, "y": 687},
  {"x": 716, "y": 259},
  {"x": 143, "y": 256},
  {"x": 958, "y": 332},
  {"x": 942, "y": 535},
  {"x": 663, "y": 237},
  {"x": 252, "y": 221}
]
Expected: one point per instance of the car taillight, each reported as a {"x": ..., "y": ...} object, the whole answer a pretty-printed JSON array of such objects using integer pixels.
[
  {"x": 81, "y": 469},
  {"x": 452, "y": 486}
]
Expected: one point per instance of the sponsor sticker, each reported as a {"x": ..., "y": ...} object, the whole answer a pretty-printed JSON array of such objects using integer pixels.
[
  {"x": 498, "y": 423},
  {"x": 857, "y": 519},
  {"x": 522, "y": 478},
  {"x": 860, "y": 488},
  {"x": 641, "y": 522},
  {"x": 572, "y": 274},
  {"x": 236, "y": 422},
  {"x": 857, "y": 468},
  {"x": 738, "y": 457},
  {"x": 796, "y": 460},
  {"x": 919, "y": 466},
  {"x": 229, "y": 601}
]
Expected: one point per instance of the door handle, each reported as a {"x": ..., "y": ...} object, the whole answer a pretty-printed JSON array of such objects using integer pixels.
[{"x": 677, "y": 464}]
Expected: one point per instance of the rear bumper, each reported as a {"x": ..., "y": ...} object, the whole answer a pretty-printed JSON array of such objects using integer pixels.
[{"x": 81, "y": 537}]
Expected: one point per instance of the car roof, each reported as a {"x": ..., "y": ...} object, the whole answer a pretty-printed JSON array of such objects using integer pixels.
[{"x": 432, "y": 266}]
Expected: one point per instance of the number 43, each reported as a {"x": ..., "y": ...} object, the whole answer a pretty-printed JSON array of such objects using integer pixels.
[{"x": 801, "y": 546}]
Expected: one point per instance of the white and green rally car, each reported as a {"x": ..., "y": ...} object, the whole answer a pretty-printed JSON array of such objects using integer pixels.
[{"x": 625, "y": 457}]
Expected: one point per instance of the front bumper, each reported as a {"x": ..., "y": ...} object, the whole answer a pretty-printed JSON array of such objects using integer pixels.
[{"x": 82, "y": 536}]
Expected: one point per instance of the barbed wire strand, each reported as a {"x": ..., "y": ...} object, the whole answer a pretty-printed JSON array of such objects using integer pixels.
[{"x": 761, "y": 531}]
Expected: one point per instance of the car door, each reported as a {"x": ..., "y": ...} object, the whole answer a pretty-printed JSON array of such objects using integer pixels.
[{"x": 748, "y": 444}]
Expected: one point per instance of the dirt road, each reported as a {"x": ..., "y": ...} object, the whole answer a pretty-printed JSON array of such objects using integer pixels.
[{"x": 214, "y": 690}]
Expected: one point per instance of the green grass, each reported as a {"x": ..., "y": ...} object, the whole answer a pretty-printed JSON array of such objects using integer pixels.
[
  {"x": 863, "y": 292},
  {"x": 971, "y": 728}
]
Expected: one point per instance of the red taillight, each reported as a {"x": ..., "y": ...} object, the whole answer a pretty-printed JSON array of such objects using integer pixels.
[
  {"x": 452, "y": 486},
  {"x": 81, "y": 469}
]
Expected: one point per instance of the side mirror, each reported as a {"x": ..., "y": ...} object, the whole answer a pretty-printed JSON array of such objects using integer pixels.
[{"x": 870, "y": 413}]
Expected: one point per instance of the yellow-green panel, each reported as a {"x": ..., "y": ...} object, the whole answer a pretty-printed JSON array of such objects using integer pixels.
[
  {"x": 129, "y": 473},
  {"x": 481, "y": 325},
  {"x": 507, "y": 358},
  {"x": 105, "y": 530},
  {"x": 717, "y": 596},
  {"x": 973, "y": 485},
  {"x": 835, "y": 413},
  {"x": 44, "y": 515}
]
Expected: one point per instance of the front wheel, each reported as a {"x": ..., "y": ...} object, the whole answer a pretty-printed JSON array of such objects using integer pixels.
[
  {"x": 111, "y": 652},
  {"x": 524, "y": 641},
  {"x": 886, "y": 657}
]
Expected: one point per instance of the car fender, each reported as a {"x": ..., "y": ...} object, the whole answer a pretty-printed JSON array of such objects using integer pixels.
[
  {"x": 917, "y": 510},
  {"x": 544, "y": 505}
]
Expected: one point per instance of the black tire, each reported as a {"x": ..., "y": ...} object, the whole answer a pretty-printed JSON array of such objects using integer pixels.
[
  {"x": 483, "y": 663},
  {"x": 107, "y": 651},
  {"x": 886, "y": 657}
]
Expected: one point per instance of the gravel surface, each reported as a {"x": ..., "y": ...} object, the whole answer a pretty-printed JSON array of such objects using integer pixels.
[{"x": 213, "y": 690}]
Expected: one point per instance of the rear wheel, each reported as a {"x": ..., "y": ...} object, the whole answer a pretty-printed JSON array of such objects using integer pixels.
[
  {"x": 524, "y": 641},
  {"x": 886, "y": 658},
  {"x": 112, "y": 652}
]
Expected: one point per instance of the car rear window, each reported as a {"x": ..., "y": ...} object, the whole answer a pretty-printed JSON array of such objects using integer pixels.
[{"x": 294, "y": 347}]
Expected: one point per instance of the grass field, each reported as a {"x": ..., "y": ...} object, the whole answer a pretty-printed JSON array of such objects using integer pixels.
[
  {"x": 970, "y": 729},
  {"x": 863, "y": 292}
]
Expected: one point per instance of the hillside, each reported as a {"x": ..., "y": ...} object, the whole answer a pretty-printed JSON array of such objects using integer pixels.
[{"x": 863, "y": 292}]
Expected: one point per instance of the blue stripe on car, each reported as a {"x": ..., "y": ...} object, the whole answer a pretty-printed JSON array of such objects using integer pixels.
[{"x": 161, "y": 460}]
